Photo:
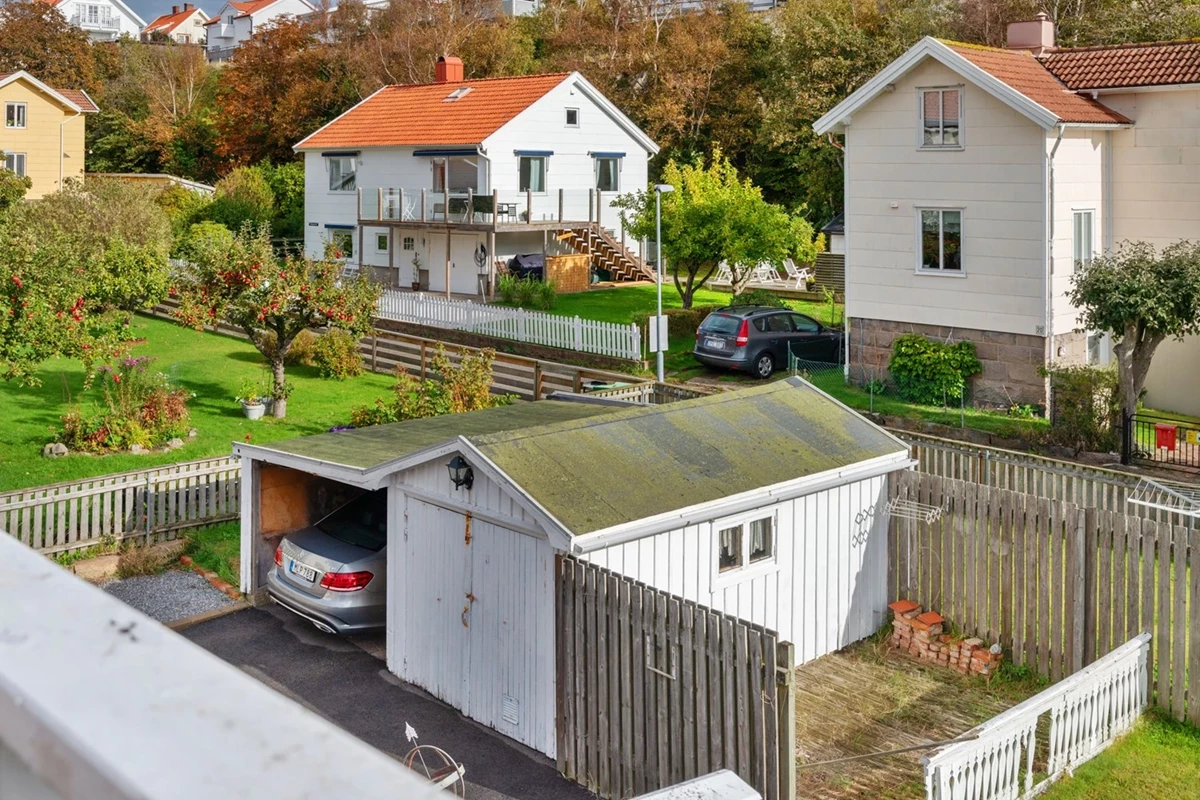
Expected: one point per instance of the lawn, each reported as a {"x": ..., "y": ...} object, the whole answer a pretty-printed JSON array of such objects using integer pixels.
[
  {"x": 217, "y": 548},
  {"x": 211, "y": 365},
  {"x": 1158, "y": 759}
]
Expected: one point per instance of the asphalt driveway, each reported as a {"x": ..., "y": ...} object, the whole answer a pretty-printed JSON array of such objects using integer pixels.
[{"x": 346, "y": 682}]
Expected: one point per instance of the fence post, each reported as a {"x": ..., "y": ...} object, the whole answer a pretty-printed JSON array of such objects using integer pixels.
[
  {"x": 537, "y": 380},
  {"x": 374, "y": 351},
  {"x": 1088, "y": 560},
  {"x": 578, "y": 333},
  {"x": 146, "y": 505},
  {"x": 785, "y": 699},
  {"x": 1126, "y": 437},
  {"x": 1079, "y": 594}
]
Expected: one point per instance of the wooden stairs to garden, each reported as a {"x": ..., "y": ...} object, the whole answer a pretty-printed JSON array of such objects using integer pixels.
[{"x": 607, "y": 253}]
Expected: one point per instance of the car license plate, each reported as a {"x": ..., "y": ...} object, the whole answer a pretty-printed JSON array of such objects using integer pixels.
[
  {"x": 714, "y": 344},
  {"x": 308, "y": 573}
]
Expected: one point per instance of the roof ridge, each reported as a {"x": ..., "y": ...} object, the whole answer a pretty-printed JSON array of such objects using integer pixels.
[
  {"x": 1123, "y": 46},
  {"x": 493, "y": 79},
  {"x": 984, "y": 47}
]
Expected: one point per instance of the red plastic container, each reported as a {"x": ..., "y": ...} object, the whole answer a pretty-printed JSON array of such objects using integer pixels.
[{"x": 1164, "y": 436}]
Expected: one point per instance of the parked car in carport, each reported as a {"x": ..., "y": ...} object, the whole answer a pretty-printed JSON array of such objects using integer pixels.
[
  {"x": 757, "y": 339},
  {"x": 333, "y": 573}
]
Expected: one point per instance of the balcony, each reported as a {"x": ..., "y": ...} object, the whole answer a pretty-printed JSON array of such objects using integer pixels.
[
  {"x": 102, "y": 23},
  {"x": 499, "y": 210}
]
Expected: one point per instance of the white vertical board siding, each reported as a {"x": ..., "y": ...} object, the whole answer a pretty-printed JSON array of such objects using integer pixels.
[
  {"x": 827, "y": 590},
  {"x": 1078, "y": 186}
]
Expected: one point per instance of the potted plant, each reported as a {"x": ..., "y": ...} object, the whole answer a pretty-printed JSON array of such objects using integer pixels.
[
  {"x": 416, "y": 275},
  {"x": 253, "y": 399}
]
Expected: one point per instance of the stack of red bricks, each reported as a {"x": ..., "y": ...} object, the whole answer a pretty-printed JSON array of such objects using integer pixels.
[{"x": 920, "y": 634}]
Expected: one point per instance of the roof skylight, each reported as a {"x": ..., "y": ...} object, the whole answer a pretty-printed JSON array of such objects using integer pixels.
[{"x": 457, "y": 94}]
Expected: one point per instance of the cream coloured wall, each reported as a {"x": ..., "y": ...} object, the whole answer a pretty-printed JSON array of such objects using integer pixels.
[
  {"x": 1078, "y": 186},
  {"x": 40, "y": 140},
  {"x": 998, "y": 181}
]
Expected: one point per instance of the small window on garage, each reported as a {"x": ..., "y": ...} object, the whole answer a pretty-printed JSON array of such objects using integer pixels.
[
  {"x": 730, "y": 556},
  {"x": 745, "y": 541}
]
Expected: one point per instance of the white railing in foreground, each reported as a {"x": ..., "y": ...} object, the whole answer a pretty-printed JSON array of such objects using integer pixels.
[
  {"x": 1087, "y": 711},
  {"x": 533, "y": 327}
]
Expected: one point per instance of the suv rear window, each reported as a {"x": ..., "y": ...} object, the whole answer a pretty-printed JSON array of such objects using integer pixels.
[
  {"x": 720, "y": 323},
  {"x": 361, "y": 522}
]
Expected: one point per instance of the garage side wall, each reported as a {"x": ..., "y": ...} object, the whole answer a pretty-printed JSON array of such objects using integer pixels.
[{"x": 825, "y": 588}]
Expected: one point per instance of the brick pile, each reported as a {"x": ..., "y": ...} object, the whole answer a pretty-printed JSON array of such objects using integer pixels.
[{"x": 921, "y": 635}]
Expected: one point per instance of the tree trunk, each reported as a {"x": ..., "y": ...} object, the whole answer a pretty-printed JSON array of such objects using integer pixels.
[
  {"x": 279, "y": 407},
  {"x": 1134, "y": 354}
]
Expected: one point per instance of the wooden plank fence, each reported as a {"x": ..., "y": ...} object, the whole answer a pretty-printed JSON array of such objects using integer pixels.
[
  {"x": 1059, "y": 585},
  {"x": 657, "y": 690},
  {"x": 152, "y": 504}
]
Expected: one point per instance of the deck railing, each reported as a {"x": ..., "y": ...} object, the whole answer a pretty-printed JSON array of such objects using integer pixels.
[
  {"x": 1086, "y": 712},
  {"x": 499, "y": 207}
]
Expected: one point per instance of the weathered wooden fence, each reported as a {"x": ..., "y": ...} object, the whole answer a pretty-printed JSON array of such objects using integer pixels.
[
  {"x": 656, "y": 689},
  {"x": 1058, "y": 584},
  {"x": 154, "y": 504}
]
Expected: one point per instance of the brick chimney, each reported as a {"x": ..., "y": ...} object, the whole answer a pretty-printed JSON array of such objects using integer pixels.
[
  {"x": 188, "y": 6},
  {"x": 1035, "y": 35},
  {"x": 448, "y": 69},
  {"x": 174, "y": 9}
]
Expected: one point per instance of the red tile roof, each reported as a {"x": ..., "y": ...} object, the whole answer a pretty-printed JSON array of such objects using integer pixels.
[
  {"x": 1020, "y": 70},
  {"x": 244, "y": 8},
  {"x": 76, "y": 96},
  {"x": 169, "y": 22},
  {"x": 1150, "y": 64},
  {"x": 421, "y": 115}
]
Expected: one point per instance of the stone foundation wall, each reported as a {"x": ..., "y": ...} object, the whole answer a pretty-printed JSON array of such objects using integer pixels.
[{"x": 1010, "y": 360}]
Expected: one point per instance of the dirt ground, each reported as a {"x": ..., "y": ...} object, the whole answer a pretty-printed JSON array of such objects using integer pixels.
[{"x": 865, "y": 699}]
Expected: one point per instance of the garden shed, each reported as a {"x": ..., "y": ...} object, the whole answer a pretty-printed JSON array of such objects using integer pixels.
[{"x": 762, "y": 505}]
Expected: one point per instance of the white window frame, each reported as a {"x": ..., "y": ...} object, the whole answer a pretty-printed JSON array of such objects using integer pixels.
[
  {"x": 329, "y": 172},
  {"x": 596, "y": 172},
  {"x": 381, "y": 237},
  {"x": 962, "y": 122},
  {"x": 24, "y": 114},
  {"x": 961, "y": 272},
  {"x": 1077, "y": 255},
  {"x": 17, "y": 160},
  {"x": 545, "y": 173},
  {"x": 747, "y": 569},
  {"x": 567, "y": 118},
  {"x": 409, "y": 243},
  {"x": 333, "y": 234}
]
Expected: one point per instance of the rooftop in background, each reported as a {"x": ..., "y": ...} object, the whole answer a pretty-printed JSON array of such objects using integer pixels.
[
  {"x": 1126, "y": 65},
  {"x": 167, "y": 23},
  {"x": 75, "y": 98},
  {"x": 835, "y": 225},
  {"x": 157, "y": 177}
]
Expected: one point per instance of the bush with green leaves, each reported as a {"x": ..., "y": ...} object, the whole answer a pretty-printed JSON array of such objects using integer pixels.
[
  {"x": 758, "y": 297},
  {"x": 527, "y": 292},
  {"x": 336, "y": 355},
  {"x": 242, "y": 197},
  {"x": 506, "y": 288},
  {"x": 286, "y": 182},
  {"x": 141, "y": 407},
  {"x": 929, "y": 372},
  {"x": 1085, "y": 407},
  {"x": 678, "y": 319}
]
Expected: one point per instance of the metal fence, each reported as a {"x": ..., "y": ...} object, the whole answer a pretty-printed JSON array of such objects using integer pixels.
[{"x": 1160, "y": 441}]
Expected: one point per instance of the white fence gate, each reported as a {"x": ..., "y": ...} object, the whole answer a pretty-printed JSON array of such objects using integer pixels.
[
  {"x": 533, "y": 327},
  {"x": 1086, "y": 711}
]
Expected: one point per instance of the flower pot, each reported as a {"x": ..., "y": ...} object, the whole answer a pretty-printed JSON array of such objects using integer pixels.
[
  {"x": 254, "y": 410},
  {"x": 416, "y": 286}
]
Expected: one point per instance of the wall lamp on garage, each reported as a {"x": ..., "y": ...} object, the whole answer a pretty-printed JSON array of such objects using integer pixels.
[{"x": 461, "y": 473}]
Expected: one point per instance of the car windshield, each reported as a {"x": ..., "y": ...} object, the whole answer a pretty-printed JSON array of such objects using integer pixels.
[
  {"x": 362, "y": 522},
  {"x": 720, "y": 323}
]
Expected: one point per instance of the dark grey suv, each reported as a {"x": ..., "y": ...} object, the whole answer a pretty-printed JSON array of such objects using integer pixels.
[{"x": 756, "y": 339}]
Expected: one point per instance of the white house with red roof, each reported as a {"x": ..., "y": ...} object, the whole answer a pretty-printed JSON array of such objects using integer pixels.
[
  {"x": 184, "y": 25},
  {"x": 103, "y": 20},
  {"x": 433, "y": 183},
  {"x": 976, "y": 179},
  {"x": 238, "y": 20}
]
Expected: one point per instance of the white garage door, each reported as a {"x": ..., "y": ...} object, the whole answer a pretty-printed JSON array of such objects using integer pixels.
[{"x": 476, "y": 621}]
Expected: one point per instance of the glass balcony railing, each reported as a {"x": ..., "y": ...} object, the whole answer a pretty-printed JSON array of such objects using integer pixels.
[{"x": 498, "y": 208}]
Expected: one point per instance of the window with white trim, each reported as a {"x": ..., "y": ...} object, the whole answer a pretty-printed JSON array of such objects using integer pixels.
[
  {"x": 745, "y": 542},
  {"x": 941, "y": 117},
  {"x": 1084, "y": 240},
  {"x": 381, "y": 242},
  {"x": 14, "y": 115},
  {"x": 572, "y": 117},
  {"x": 15, "y": 162},
  {"x": 941, "y": 240},
  {"x": 409, "y": 243},
  {"x": 342, "y": 173},
  {"x": 608, "y": 174},
  {"x": 533, "y": 174}
]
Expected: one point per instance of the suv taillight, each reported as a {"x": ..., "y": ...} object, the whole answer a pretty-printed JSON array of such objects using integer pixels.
[
  {"x": 279, "y": 555},
  {"x": 345, "y": 581},
  {"x": 743, "y": 334}
]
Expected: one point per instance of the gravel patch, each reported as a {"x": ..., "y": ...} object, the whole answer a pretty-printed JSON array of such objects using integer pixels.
[{"x": 168, "y": 596}]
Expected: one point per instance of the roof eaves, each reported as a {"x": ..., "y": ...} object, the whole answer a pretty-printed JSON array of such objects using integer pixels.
[
  {"x": 23, "y": 75},
  {"x": 301, "y": 144}
]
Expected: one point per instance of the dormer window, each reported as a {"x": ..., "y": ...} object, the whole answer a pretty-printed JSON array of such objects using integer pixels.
[
  {"x": 941, "y": 117},
  {"x": 458, "y": 93}
]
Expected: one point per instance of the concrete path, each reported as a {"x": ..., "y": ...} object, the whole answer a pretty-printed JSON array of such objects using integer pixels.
[{"x": 344, "y": 681}]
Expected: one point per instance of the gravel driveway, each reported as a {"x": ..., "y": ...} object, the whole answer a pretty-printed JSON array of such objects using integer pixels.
[{"x": 168, "y": 596}]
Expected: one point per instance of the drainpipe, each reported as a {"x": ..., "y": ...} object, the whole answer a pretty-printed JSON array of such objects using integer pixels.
[
  {"x": 62, "y": 143},
  {"x": 1049, "y": 327}
]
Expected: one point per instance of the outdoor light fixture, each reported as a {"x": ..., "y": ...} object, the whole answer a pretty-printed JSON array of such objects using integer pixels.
[{"x": 461, "y": 473}]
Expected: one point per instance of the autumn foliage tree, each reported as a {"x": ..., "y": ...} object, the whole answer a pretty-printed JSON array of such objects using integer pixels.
[
  {"x": 37, "y": 38},
  {"x": 238, "y": 279}
]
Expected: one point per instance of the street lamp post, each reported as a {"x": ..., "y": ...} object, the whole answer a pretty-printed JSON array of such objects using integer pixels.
[{"x": 659, "y": 190}]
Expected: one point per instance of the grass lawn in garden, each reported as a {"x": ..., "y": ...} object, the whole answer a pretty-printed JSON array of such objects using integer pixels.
[
  {"x": 1160, "y": 758},
  {"x": 217, "y": 548},
  {"x": 211, "y": 365}
]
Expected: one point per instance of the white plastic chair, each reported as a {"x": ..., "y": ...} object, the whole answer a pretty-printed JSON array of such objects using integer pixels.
[
  {"x": 724, "y": 274},
  {"x": 766, "y": 273},
  {"x": 800, "y": 276}
]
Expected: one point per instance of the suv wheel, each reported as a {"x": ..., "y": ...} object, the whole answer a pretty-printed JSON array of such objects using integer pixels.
[{"x": 764, "y": 365}]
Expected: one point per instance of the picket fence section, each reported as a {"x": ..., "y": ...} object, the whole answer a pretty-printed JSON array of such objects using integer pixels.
[
  {"x": 518, "y": 324},
  {"x": 1083, "y": 715},
  {"x": 1056, "y": 584},
  {"x": 658, "y": 690},
  {"x": 152, "y": 504}
]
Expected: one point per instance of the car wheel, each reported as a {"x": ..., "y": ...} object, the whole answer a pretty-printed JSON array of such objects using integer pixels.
[{"x": 764, "y": 365}]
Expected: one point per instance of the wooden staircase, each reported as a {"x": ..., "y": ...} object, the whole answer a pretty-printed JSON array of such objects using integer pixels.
[{"x": 607, "y": 253}]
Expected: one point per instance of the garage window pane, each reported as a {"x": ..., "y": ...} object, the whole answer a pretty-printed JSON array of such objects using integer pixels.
[
  {"x": 730, "y": 556},
  {"x": 762, "y": 543}
]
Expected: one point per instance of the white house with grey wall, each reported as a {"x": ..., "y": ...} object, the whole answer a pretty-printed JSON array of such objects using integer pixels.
[
  {"x": 976, "y": 179},
  {"x": 763, "y": 504},
  {"x": 432, "y": 183}
]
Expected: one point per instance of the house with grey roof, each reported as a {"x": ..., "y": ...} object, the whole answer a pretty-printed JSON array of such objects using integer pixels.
[{"x": 765, "y": 505}]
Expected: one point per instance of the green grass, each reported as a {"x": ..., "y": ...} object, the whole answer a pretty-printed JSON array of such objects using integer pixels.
[
  {"x": 208, "y": 364},
  {"x": 217, "y": 548},
  {"x": 1158, "y": 759}
]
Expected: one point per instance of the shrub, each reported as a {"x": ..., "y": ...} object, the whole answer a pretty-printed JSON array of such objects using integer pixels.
[
  {"x": 1086, "y": 407},
  {"x": 243, "y": 196},
  {"x": 143, "y": 560},
  {"x": 140, "y": 407},
  {"x": 303, "y": 351},
  {"x": 929, "y": 372},
  {"x": 680, "y": 319},
  {"x": 336, "y": 355},
  {"x": 758, "y": 297},
  {"x": 506, "y": 287},
  {"x": 545, "y": 295},
  {"x": 526, "y": 288}
]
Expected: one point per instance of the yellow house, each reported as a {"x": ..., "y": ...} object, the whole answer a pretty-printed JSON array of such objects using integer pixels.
[{"x": 42, "y": 137}]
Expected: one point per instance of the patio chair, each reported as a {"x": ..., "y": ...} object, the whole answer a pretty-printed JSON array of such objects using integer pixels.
[
  {"x": 724, "y": 274},
  {"x": 766, "y": 273},
  {"x": 801, "y": 277}
]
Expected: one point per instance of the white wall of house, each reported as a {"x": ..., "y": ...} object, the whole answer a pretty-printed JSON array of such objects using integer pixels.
[
  {"x": 18, "y": 781},
  {"x": 473, "y": 600},
  {"x": 822, "y": 591},
  {"x": 997, "y": 179},
  {"x": 1078, "y": 187},
  {"x": 1173, "y": 383},
  {"x": 103, "y": 20}
]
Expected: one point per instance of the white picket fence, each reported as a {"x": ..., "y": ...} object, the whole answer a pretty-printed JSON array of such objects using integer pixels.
[
  {"x": 1086, "y": 712},
  {"x": 521, "y": 325},
  {"x": 152, "y": 504}
]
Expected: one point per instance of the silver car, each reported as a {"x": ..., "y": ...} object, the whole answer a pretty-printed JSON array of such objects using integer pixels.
[{"x": 334, "y": 573}]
